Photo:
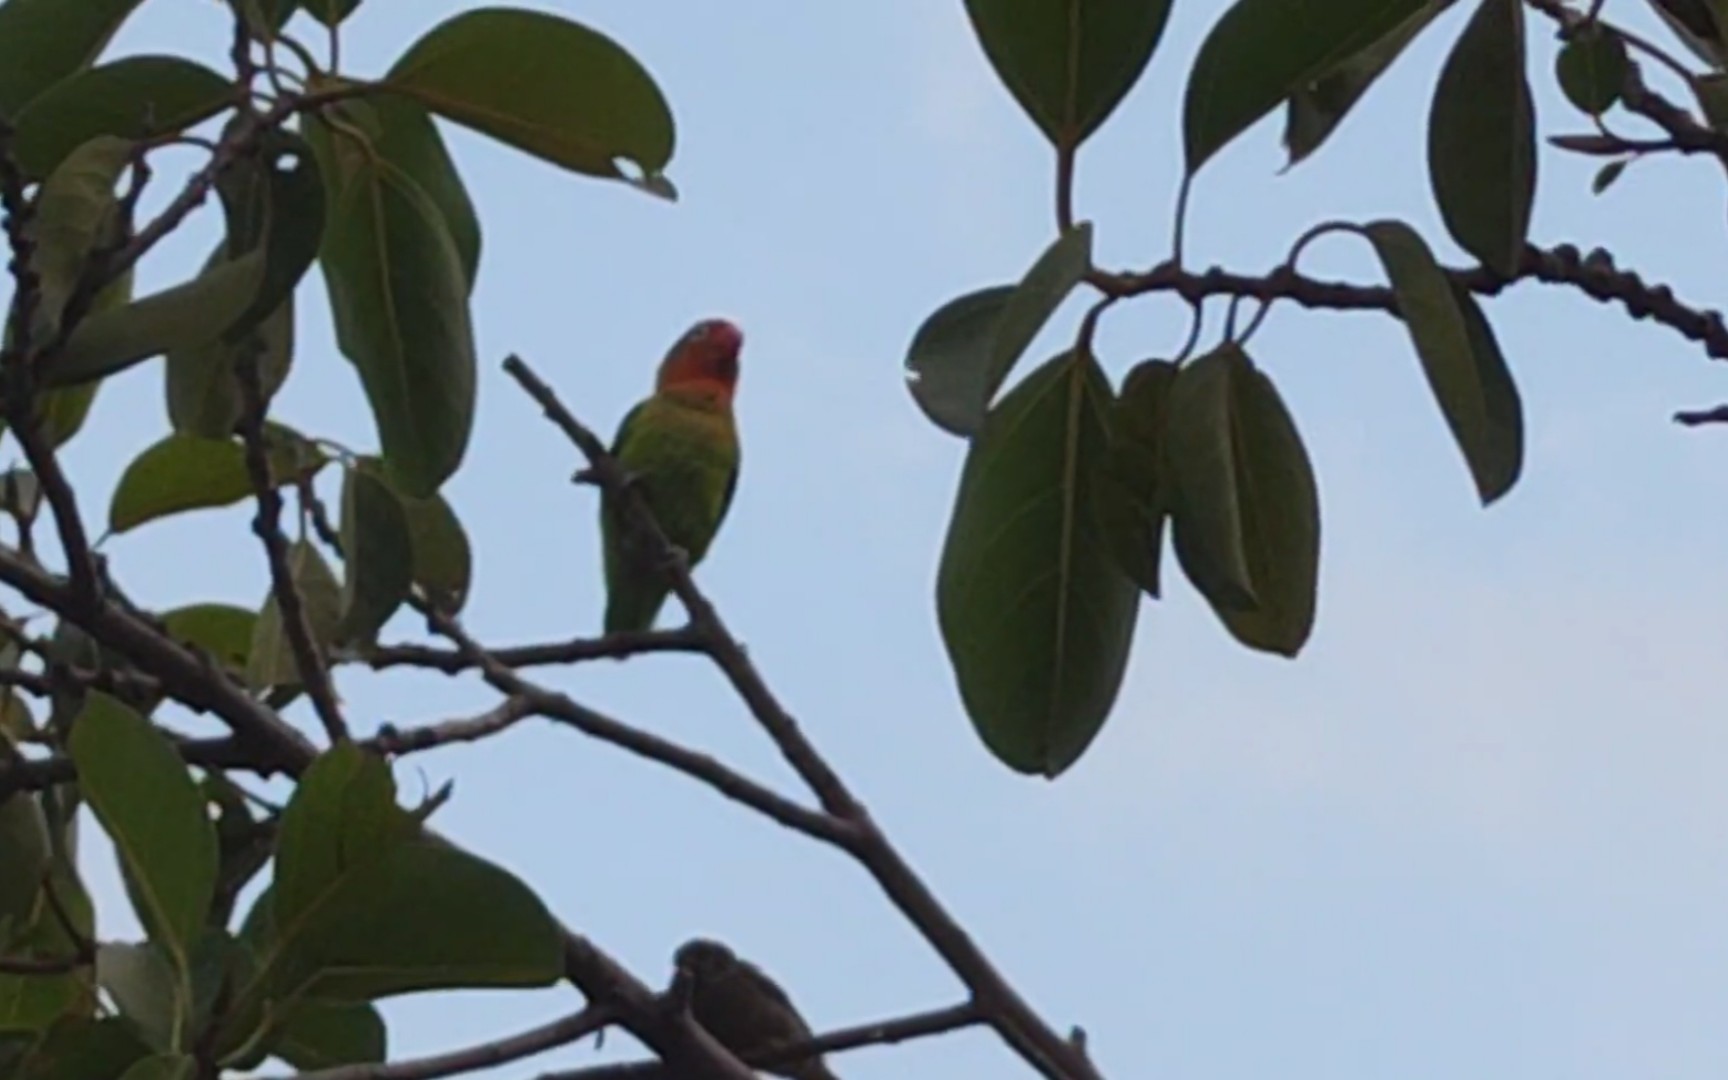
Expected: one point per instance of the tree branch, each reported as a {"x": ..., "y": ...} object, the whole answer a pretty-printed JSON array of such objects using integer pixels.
[
  {"x": 1011, "y": 1016},
  {"x": 616, "y": 646},
  {"x": 485, "y": 1055}
]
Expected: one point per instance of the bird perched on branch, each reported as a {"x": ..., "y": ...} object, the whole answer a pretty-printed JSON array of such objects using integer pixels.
[
  {"x": 743, "y": 1008},
  {"x": 679, "y": 446}
]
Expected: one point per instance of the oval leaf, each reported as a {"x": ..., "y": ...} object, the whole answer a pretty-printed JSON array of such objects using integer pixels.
[
  {"x": 187, "y": 472},
  {"x": 1317, "y": 108},
  {"x": 1255, "y": 473},
  {"x": 72, "y": 208},
  {"x": 24, "y": 854},
  {"x": 1262, "y": 51},
  {"x": 377, "y": 556},
  {"x": 962, "y": 354},
  {"x": 136, "y": 97},
  {"x": 1201, "y": 459},
  {"x": 44, "y": 41},
  {"x": 1036, "y": 616},
  {"x": 443, "y": 559},
  {"x": 1482, "y": 138},
  {"x": 401, "y": 309},
  {"x": 324, "y": 1034},
  {"x": 223, "y": 630},
  {"x": 1068, "y": 62},
  {"x": 1133, "y": 503},
  {"x": 1460, "y": 357},
  {"x": 574, "y": 96},
  {"x": 329, "y": 12},
  {"x": 1591, "y": 69},
  {"x": 271, "y": 661},
  {"x": 148, "y": 805},
  {"x": 202, "y": 388}
]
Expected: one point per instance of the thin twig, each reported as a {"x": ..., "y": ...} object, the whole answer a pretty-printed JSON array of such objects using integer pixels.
[
  {"x": 616, "y": 646},
  {"x": 486, "y": 1055}
]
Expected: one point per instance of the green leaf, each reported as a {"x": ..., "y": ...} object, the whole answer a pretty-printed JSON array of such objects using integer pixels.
[
  {"x": 273, "y": 201},
  {"x": 574, "y": 96},
  {"x": 148, "y": 805},
  {"x": 24, "y": 853},
  {"x": 162, "y": 1067},
  {"x": 1244, "y": 506},
  {"x": 44, "y": 41},
  {"x": 33, "y": 1002},
  {"x": 323, "y": 1035},
  {"x": 61, "y": 413},
  {"x": 1068, "y": 62},
  {"x": 1035, "y": 614},
  {"x": 186, "y": 472},
  {"x": 272, "y": 662},
  {"x": 75, "y": 202},
  {"x": 135, "y": 97},
  {"x": 401, "y": 132},
  {"x": 443, "y": 560},
  {"x": 401, "y": 309},
  {"x": 343, "y": 815},
  {"x": 329, "y": 12},
  {"x": 1317, "y": 108},
  {"x": 1607, "y": 174},
  {"x": 223, "y": 630},
  {"x": 1482, "y": 138},
  {"x": 1696, "y": 23},
  {"x": 1131, "y": 502},
  {"x": 203, "y": 390},
  {"x": 1591, "y": 69},
  {"x": 1262, "y": 51},
  {"x": 142, "y": 981},
  {"x": 377, "y": 556},
  {"x": 962, "y": 354},
  {"x": 182, "y": 316},
  {"x": 1460, "y": 357},
  {"x": 84, "y": 1049}
]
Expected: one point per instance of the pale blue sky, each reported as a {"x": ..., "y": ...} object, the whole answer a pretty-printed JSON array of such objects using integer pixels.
[{"x": 1480, "y": 828}]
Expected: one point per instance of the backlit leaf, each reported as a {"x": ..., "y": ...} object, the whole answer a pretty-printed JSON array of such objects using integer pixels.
[
  {"x": 377, "y": 555},
  {"x": 186, "y": 472},
  {"x": 272, "y": 662}
]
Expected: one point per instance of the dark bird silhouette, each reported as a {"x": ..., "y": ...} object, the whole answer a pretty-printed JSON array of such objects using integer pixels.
[{"x": 744, "y": 1009}]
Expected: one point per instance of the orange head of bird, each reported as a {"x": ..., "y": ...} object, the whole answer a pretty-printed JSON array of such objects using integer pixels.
[{"x": 704, "y": 362}]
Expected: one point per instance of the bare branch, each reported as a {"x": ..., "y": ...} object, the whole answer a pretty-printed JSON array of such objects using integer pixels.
[
  {"x": 485, "y": 1055},
  {"x": 617, "y": 646}
]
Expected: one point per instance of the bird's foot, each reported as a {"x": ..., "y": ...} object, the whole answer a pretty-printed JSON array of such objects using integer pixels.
[{"x": 675, "y": 559}]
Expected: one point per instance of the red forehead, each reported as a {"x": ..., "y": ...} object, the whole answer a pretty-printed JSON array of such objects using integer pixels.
[{"x": 717, "y": 332}]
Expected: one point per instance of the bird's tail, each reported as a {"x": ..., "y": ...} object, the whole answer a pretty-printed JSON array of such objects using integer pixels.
[{"x": 633, "y": 608}]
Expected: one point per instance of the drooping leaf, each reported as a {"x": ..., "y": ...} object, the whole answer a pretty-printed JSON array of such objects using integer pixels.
[
  {"x": 443, "y": 559},
  {"x": 44, "y": 41},
  {"x": 185, "y": 472},
  {"x": 1261, "y": 51},
  {"x": 329, "y": 12},
  {"x": 1035, "y": 614},
  {"x": 574, "y": 96},
  {"x": 75, "y": 202},
  {"x": 1244, "y": 505},
  {"x": 399, "y": 130},
  {"x": 223, "y": 630},
  {"x": 1482, "y": 137},
  {"x": 79, "y": 1048},
  {"x": 377, "y": 555},
  {"x": 1068, "y": 62},
  {"x": 148, "y": 805},
  {"x": 141, "y": 979},
  {"x": 272, "y": 662},
  {"x": 135, "y": 97},
  {"x": 1460, "y": 357},
  {"x": 962, "y": 354},
  {"x": 1132, "y": 504},
  {"x": 1607, "y": 174},
  {"x": 1591, "y": 69},
  {"x": 401, "y": 309},
  {"x": 203, "y": 389},
  {"x": 1316, "y": 109},
  {"x": 24, "y": 853},
  {"x": 323, "y": 1035},
  {"x": 33, "y": 1002}
]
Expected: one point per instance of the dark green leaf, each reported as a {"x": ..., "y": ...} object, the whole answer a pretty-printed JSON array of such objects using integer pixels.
[
  {"x": 574, "y": 96},
  {"x": 329, "y": 12},
  {"x": 1482, "y": 138},
  {"x": 75, "y": 202},
  {"x": 377, "y": 556},
  {"x": 1036, "y": 616},
  {"x": 1696, "y": 24},
  {"x": 162, "y": 1067},
  {"x": 24, "y": 854},
  {"x": 135, "y": 97},
  {"x": 186, "y": 472},
  {"x": 1236, "y": 461},
  {"x": 182, "y": 316},
  {"x": 1591, "y": 69},
  {"x": 1460, "y": 357},
  {"x": 1317, "y": 108},
  {"x": 443, "y": 561},
  {"x": 398, "y": 130},
  {"x": 962, "y": 354},
  {"x": 1607, "y": 174},
  {"x": 274, "y": 201},
  {"x": 272, "y": 662},
  {"x": 1130, "y": 502},
  {"x": 61, "y": 413},
  {"x": 21, "y": 500},
  {"x": 32, "y": 1002},
  {"x": 203, "y": 390},
  {"x": 145, "y": 988},
  {"x": 44, "y": 41},
  {"x": 223, "y": 630},
  {"x": 323, "y": 1035},
  {"x": 401, "y": 310},
  {"x": 84, "y": 1049},
  {"x": 1069, "y": 62},
  {"x": 1262, "y": 51},
  {"x": 1712, "y": 93},
  {"x": 149, "y": 806}
]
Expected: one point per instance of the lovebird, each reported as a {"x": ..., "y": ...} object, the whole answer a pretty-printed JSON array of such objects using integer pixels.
[
  {"x": 680, "y": 447},
  {"x": 743, "y": 1008}
]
